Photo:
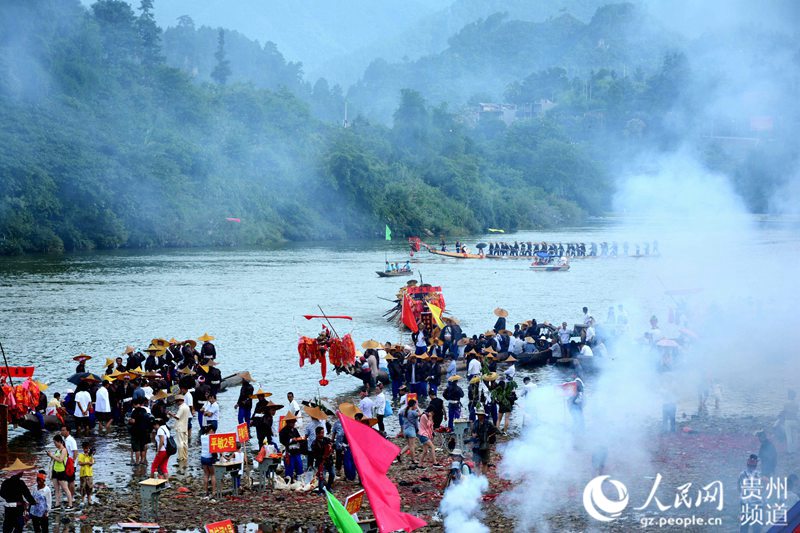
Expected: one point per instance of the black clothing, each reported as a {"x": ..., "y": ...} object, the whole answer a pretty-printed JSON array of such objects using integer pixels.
[
  {"x": 500, "y": 324},
  {"x": 244, "y": 396},
  {"x": 286, "y": 435},
  {"x": 769, "y": 458},
  {"x": 437, "y": 405},
  {"x": 208, "y": 350},
  {"x": 214, "y": 379}
]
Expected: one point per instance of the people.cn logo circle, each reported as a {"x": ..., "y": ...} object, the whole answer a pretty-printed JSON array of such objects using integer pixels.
[{"x": 598, "y": 505}]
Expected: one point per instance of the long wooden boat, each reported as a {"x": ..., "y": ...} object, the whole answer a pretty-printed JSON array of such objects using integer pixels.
[
  {"x": 456, "y": 255},
  {"x": 394, "y": 273},
  {"x": 533, "y": 358}
]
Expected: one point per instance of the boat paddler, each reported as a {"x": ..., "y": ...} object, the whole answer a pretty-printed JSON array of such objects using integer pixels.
[{"x": 208, "y": 350}]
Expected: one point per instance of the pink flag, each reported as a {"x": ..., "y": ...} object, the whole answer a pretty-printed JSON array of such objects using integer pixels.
[{"x": 373, "y": 455}]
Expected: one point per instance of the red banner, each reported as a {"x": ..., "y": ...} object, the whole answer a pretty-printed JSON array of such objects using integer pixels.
[
  {"x": 222, "y": 442},
  {"x": 17, "y": 371},
  {"x": 242, "y": 433},
  {"x": 226, "y": 526}
]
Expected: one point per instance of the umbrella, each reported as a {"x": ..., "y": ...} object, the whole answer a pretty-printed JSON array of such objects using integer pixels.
[
  {"x": 481, "y": 245},
  {"x": 542, "y": 254},
  {"x": 75, "y": 379},
  {"x": 667, "y": 343}
]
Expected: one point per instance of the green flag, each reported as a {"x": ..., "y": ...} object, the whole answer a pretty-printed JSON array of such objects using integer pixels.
[
  {"x": 344, "y": 521},
  {"x": 388, "y": 233}
]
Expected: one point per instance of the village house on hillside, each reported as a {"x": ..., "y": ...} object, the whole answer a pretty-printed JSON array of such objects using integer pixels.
[{"x": 508, "y": 113}]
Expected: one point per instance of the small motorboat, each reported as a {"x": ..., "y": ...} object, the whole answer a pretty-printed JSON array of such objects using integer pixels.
[
  {"x": 549, "y": 263},
  {"x": 395, "y": 273},
  {"x": 550, "y": 268}
]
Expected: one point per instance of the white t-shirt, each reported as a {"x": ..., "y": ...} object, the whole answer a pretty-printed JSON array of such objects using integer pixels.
[
  {"x": 204, "y": 446},
  {"x": 590, "y": 334},
  {"x": 586, "y": 352},
  {"x": 82, "y": 399},
  {"x": 163, "y": 431},
  {"x": 211, "y": 411},
  {"x": 474, "y": 368},
  {"x": 102, "y": 404},
  {"x": 379, "y": 404},
  {"x": 564, "y": 335},
  {"x": 148, "y": 391},
  {"x": 71, "y": 445},
  {"x": 366, "y": 404},
  {"x": 188, "y": 400}
]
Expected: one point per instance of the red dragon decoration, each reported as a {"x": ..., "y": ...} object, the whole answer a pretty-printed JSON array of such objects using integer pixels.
[{"x": 341, "y": 352}]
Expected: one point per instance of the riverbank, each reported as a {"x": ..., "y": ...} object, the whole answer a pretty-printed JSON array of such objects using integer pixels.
[{"x": 704, "y": 449}]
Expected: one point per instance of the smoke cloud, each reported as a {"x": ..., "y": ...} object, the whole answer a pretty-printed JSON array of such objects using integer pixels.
[{"x": 461, "y": 505}]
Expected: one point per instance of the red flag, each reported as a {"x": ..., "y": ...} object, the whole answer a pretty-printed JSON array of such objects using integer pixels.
[
  {"x": 408, "y": 315},
  {"x": 373, "y": 455}
]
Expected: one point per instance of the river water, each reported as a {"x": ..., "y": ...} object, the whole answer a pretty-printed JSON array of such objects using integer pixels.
[{"x": 252, "y": 300}]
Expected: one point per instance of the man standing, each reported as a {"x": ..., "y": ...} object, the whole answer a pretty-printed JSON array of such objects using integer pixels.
[
  {"x": 474, "y": 367},
  {"x": 182, "y": 417},
  {"x": 245, "y": 403},
  {"x": 40, "y": 512},
  {"x": 586, "y": 317},
  {"x": 159, "y": 467},
  {"x": 16, "y": 494},
  {"x": 483, "y": 433},
  {"x": 366, "y": 404},
  {"x": 72, "y": 451},
  {"x": 564, "y": 336},
  {"x": 102, "y": 407},
  {"x": 211, "y": 412},
  {"x": 767, "y": 453},
  {"x": 83, "y": 402},
  {"x": 379, "y": 406},
  {"x": 453, "y": 395},
  {"x": 290, "y": 439}
]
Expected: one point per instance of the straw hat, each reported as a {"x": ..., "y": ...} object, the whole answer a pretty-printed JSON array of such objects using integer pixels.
[
  {"x": 109, "y": 362},
  {"x": 389, "y": 357},
  {"x": 349, "y": 409},
  {"x": 204, "y": 368},
  {"x": 543, "y": 338},
  {"x": 454, "y": 378},
  {"x": 529, "y": 340},
  {"x": 315, "y": 413},
  {"x": 457, "y": 452},
  {"x": 173, "y": 340},
  {"x": 160, "y": 395},
  {"x": 137, "y": 371},
  {"x": 490, "y": 356},
  {"x": 271, "y": 405},
  {"x": 510, "y": 359},
  {"x": 474, "y": 380},
  {"x": 186, "y": 370},
  {"x": 41, "y": 386},
  {"x": 499, "y": 311},
  {"x": 190, "y": 342},
  {"x": 490, "y": 377},
  {"x": 371, "y": 344},
  {"x": 206, "y": 337},
  {"x": 289, "y": 416},
  {"x": 411, "y": 283},
  {"x": 179, "y": 397},
  {"x": 451, "y": 320},
  {"x": 18, "y": 466},
  {"x": 479, "y": 410},
  {"x": 246, "y": 376},
  {"x": 152, "y": 348},
  {"x": 151, "y": 375},
  {"x": 423, "y": 357},
  {"x": 82, "y": 357},
  {"x": 91, "y": 379},
  {"x": 109, "y": 378},
  {"x": 489, "y": 350},
  {"x": 370, "y": 421},
  {"x": 160, "y": 342},
  {"x": 489, "y": 333},
  {"x": 505, "y": 332},
  {"x": 260, "y": 392},
  {"x": 129, "y": 350}
]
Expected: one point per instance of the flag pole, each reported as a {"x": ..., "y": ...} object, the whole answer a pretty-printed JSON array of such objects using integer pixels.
[
  {"x": 8, "y": 370},
  {"x": 327, "y": 320}
]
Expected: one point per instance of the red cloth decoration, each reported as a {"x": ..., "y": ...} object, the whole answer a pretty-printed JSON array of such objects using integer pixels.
[
  {"x": 373, "y": 455},
  {"x": 408, "y": 315}
]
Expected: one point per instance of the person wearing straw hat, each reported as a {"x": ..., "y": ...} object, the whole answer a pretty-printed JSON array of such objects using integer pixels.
[
  {"x": 291, "y": 440},
  {"x": 501, "y": 315},
  {"x": 182, "y": 417},
  {"x": 82, "y": 358},
  {"x": 16, "y": 494},
  {"x": 208, "y": 350},
  {"x": 245, "y": 403},
  {"x": 483, "y": 432}
]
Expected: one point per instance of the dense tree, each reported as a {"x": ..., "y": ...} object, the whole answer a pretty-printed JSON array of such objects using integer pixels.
[{"x": 223, "y": 67}]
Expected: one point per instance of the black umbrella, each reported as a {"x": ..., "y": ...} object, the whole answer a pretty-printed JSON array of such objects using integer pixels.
[
  {"x": 481, "y": 245},
  {"x": 75, "y": 379}
]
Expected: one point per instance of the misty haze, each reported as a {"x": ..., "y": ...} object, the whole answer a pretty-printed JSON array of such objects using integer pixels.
[{"x": 591, "y": 209}]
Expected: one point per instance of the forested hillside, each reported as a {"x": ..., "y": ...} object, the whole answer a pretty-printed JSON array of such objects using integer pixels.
[{"x": 106, "y": 146}]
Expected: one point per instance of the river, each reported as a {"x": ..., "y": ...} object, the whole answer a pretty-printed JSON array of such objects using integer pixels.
[{"x": 252, "y": 300}]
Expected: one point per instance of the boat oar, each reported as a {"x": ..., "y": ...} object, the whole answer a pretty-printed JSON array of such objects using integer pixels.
[{"x": 328, "y": 321}]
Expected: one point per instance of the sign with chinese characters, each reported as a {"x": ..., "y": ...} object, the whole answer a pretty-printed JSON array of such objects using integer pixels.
[
  {"x": 222, "y": 442},
  {"x": 242, "y": 432},
  {"x": 226, "y": 526},
  {"x": 763, "y": 500},
  {"x": 354, "y": 501},
  {"x": 16, "y": 371}
]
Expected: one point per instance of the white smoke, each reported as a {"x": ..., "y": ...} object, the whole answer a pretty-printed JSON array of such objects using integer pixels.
[{"x": 461, "y": 505}]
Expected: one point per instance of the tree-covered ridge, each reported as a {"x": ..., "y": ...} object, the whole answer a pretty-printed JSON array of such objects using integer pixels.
[{"x": 107, "y": 146}]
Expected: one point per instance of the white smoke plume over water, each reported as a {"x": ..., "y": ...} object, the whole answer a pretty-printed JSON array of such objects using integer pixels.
[{"x": 461, "y": 505}]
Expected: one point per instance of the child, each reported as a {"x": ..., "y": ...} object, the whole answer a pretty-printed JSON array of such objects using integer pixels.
[
  {"x": 86, "y": 462},
  {"x": 236, "y": 457}
]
